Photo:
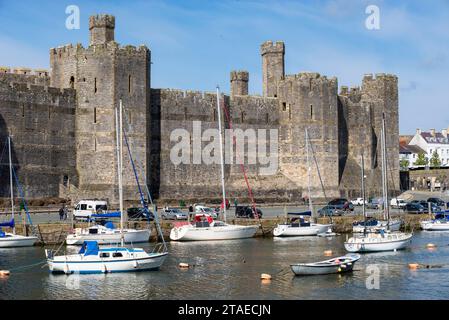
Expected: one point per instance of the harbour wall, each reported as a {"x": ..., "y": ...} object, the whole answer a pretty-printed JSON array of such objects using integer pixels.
[{"x": 55, "y": 233}]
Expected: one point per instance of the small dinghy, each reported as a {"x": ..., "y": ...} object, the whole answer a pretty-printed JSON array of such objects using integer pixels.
[{"x": 334, "y": 265}]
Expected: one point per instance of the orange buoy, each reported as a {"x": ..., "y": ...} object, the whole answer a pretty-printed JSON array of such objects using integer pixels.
[
  {"x": 413, "y": 266},
  {"x": 183, "y": 265},
  {"x": 265, "y": 276},
  {"x": 328, "y": 253},
  {"x": 4, "y": 273}
]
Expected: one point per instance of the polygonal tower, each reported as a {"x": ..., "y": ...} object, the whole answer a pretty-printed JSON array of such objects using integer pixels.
[
  {"x": 102, "y": 74},
  {"x": 239, "y": 83},
  {"x": 273, "y": 66}
]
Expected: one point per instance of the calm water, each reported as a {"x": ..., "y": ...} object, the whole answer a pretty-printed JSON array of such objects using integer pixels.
[{"x": 231, "y": 270}]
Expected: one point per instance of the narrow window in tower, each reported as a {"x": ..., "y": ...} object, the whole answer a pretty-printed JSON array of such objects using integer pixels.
[
  {"x": 95, "y": 144},
  {"x": 243, "y": 116},
  {"x": 267, "y": 118},
  {"x": 129, "y": 84},
  {"x": 215, "y": 115},
  {"x": 23, "y": 111},
  {"x": 311, "y": 111},
  {"x": 284, "y": 106},
  {"x": 310, "y": 84},
  {"x": 95, "y": 115},
  {"x": 72, "y": 82},
  {"x": 289, "y": 111},
  {"x": 49, "y": 112},
  {"x": 95, "y": 85}
]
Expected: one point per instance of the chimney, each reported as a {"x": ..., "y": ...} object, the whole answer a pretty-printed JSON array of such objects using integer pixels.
[
  {"x": 444, "y": 133},
  {"x": 418, "y": 131},
  {"x": 432, "y": 132}
]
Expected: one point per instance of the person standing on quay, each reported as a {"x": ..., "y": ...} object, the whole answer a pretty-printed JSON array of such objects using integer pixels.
[
  {"x": 61, "y": 213},
  {"x": 65, "y": 212}
]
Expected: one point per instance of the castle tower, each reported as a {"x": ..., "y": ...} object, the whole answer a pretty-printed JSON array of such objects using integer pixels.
[
  {"x": 273, "y": 67},
  {"x": 239, "y": 83},
  {"x": 102, "y": 74},
  {"x": 101, "y": 29}
]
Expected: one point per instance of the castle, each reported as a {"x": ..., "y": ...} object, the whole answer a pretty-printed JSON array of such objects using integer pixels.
[{"x": 63, "y": 126}]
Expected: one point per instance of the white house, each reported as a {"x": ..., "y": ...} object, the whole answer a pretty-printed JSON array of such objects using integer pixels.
[
  {"x": 432, "y": 141},
  {"x": 409, "y": 153}
]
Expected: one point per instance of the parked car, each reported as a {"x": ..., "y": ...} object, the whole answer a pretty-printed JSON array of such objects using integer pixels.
[
  {"x": 139, "y": 214},
  {"x": 204, "y": 209},
  {"x": 342, "y": 203},
  {"x": 415, "y": 208},
  {"x": 247, "y": 212},
  {"x": 358, "y": 202},
  {"x": 425, "y": 204},
  {"x": 174, "y": 214},
  {"x": 398, "y": 203},
  {"x": 375, "y": 204},
  {"x": 330, "y": 210},
  {"x": 437, "y": 201},
  {"x": 85, "y": 208}
]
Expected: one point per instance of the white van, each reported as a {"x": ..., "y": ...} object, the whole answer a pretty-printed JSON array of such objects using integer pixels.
[
  {"x": 85, "y": 208},
  {"x": 398, "y": 203}
]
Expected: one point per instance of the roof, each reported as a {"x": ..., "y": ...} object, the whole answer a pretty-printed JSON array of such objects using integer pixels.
[
  {"x": 405, "y": 139},
  {"x": 438, "y": 138},
  {"x": 410, "y": 149}
]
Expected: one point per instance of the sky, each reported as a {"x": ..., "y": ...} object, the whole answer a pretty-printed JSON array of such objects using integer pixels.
[{"x": 195, "y": 44}]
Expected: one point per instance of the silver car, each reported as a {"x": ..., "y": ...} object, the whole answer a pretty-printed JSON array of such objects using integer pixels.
[{"x": 174, "y": 214}]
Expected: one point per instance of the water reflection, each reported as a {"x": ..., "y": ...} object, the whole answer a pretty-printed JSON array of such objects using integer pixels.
[{"x": 231, "y": 270}]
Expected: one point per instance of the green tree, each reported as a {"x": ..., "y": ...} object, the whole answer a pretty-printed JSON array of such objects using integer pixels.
[
  {"x": 404, "y": 163},
  {"x": 422, "y": 160},
  {"x": 435, "y": 160}
]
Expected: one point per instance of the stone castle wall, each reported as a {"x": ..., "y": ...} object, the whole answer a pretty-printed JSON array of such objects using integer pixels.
[
  {"x": 78, "y": 134},
  {"x": 41, "y": 121}
]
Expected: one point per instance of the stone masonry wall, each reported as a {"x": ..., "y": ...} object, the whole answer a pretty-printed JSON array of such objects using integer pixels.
[{"x": 41, "y": 121}]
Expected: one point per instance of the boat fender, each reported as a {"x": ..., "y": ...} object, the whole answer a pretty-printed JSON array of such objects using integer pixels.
[
  {"x": 328, "y": 253},
  {"x": 413, "y": 266},
  {"x": 135, "y": 264},
  {"x": 66, "y": 269},
  {"x": 265, "y": 276},
  {"x": 343, "y": 266},
  {"x": 339, "y": 270},
  {"x": 4, "y": 273},
  {"x": 183, "y": 265}
]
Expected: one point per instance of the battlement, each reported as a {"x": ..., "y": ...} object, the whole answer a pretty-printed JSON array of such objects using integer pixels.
[
  {"x": 28, "y": 87},
  {"x": 379, "y": 76},
  {"x": 102, "y": 21},
  {"x": 240, "y": 75},
  {"x": 72, "y": 51},
  {"x": 24, "y": 71},
  {"x": 270, "y": 47}
]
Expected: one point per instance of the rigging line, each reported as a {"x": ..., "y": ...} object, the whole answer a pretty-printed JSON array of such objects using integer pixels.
[
  {"x": 19, "y": 187},
  {"x": 142, "y": 200},
  {"x": 318, "y": 169},
  {"x": 242, "y": 166}
]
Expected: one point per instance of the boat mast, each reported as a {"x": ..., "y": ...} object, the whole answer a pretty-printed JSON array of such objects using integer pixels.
[
  {"x": 363, "y": 193},
  {"x": 119, "y": 133},
  {"x": 384, "y": 172},
  {"x": 221, "y": 155},
  {"x": 11, "y": 183},
  {"x": 309, "y": 169}
]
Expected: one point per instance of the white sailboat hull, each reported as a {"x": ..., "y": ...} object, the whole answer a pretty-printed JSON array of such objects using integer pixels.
[
  {"x": 12, "y": 241},
  {"x": 376, "y": 243},
  {"x": 381, "y": 225},
  {"x": 130, "y": 236},
  {"x": 226, "y": 232},
  {"x": 283, "y": 230},
  {"x": 435, "y": 225},
  {"x": 78, "y": 263}
]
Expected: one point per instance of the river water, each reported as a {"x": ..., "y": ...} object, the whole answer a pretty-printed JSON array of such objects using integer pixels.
[{"x": 231, "y": 270}]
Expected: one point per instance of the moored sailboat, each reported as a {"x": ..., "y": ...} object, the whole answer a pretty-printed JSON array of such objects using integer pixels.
[
  {"x": 382, "y": 240},
  {"x": 7, "y": 239},
  {"x": 302, "y": 228},
  {"x": 93, "y": 259},
  {"x": 214, "y": 230}
]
